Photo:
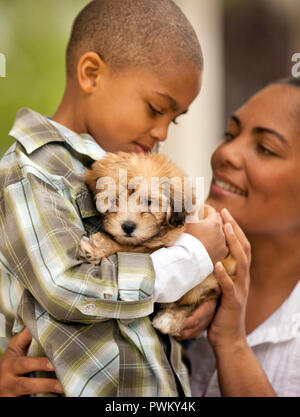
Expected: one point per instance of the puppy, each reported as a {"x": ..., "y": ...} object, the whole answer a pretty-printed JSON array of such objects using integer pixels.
[{"x": 142, "y": 200}]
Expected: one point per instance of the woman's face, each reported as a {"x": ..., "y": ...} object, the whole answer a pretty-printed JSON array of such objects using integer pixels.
[{"x": 256, "y": 169}]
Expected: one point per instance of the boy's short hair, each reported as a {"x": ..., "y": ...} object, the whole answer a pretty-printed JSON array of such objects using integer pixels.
[
  {"x": 294, "y": 82},
  {"x": 134, "y": 33}
]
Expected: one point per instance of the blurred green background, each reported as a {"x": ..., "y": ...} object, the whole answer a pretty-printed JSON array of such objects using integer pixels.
[{"x": 33, "y": 37}]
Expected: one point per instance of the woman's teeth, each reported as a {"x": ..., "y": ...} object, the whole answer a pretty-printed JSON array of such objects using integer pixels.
[{"x": 229, "y": 187}]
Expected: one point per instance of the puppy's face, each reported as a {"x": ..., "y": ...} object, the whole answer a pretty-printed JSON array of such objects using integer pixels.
[{"x": 139, "y": 196}]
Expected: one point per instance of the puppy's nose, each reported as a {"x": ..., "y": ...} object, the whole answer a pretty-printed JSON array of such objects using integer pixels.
[{"x": 128, "y": 227}]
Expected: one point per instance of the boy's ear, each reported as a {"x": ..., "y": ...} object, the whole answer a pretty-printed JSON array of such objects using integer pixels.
[{"x": 89, "y": 70}]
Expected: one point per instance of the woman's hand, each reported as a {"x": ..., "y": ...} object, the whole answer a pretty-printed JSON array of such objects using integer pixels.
[
  {"x": 228, "y": 326},
  {"x": 14, "y": 365},
  {"x": 198, "y": 320},
  {"x": 239, "y": 371}
]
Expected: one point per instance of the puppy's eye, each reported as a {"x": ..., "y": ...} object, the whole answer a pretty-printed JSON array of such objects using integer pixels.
[
  {"x": 113, "y": 200},
  {"x": 146, "y": 203}
]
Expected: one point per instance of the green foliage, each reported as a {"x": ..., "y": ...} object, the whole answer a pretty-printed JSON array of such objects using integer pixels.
[{"x": 33, "y": 37}]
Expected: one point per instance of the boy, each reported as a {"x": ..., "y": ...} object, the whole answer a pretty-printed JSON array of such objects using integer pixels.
[{"x": 133, "y": 67}]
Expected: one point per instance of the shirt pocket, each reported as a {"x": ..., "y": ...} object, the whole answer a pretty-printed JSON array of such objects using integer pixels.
[{"x": 90, "y": 216}]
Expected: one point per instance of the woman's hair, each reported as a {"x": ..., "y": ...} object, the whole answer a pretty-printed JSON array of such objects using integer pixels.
[{"x": 292, "y": 82}]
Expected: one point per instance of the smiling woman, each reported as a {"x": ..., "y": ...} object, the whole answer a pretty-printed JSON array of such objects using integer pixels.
[
  {"x": 256, "y": 166},
  {"x": 255, "y": 332}
]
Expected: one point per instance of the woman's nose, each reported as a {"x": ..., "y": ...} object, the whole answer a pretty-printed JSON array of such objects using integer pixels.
[{"x": 232, "y": 153}]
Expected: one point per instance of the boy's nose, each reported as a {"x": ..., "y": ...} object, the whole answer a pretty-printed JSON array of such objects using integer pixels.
[{"x": 160, "y": 132}]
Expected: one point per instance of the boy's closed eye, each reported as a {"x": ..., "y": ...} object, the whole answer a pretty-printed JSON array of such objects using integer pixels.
[{"x": 154, "y": 111}]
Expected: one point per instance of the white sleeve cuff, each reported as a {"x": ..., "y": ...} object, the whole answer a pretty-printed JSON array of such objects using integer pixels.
[{"x": 179, "y": 268}]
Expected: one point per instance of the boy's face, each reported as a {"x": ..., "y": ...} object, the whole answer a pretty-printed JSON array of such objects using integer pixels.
[{"x": 132, "y": 111}]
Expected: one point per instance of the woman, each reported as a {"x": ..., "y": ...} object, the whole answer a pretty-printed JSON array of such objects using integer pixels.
[{"x": 252, "y": 345}]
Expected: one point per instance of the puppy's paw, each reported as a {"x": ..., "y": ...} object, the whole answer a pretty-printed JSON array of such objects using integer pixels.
[
  {"x": 87, "y": 252},
  {"x": 103, "y": 245},
  {"x": 168, "y": 322}
]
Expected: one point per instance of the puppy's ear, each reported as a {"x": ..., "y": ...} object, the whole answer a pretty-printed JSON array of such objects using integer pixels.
[
  {"x": 99, "y": 169},
  {"x": 92, "y": 175},
  {"x": 175, "y": 218}
]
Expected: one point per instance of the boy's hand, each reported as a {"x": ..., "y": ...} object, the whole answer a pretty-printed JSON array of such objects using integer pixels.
[
  {"x": 14, "y": 365},
  {"x": 199, "y": 320},
  {"x": 210, "y": 232}
]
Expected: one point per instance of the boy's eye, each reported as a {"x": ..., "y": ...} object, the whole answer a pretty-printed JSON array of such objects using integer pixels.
[{"x": 154, "y": 111}]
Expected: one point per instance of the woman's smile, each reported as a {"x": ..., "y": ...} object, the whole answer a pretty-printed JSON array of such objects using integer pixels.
[{"x": 221, "y": 187}]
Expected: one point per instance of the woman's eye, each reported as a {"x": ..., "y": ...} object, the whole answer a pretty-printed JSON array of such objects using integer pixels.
[
  {"x": 265, "y": 150},
  {"x": 228, "y": 136}
]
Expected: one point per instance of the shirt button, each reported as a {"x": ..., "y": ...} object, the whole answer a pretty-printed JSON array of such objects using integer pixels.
[
  {"x": 89, "y": 308},
  {"x": 108, "y": 295}
]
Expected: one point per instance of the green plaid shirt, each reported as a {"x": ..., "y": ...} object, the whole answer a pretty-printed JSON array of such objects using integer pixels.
[{"x": 99, "y": 344}]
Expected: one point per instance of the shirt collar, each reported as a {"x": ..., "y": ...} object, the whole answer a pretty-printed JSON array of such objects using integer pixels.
[
  {"x": 283, "y": 325},
  {"x": 33, "y": 131}
]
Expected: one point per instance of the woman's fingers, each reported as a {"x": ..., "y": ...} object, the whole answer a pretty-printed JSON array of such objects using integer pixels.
[
  {"x": 224, "y": 280},
  {"x": 19, "y": 344},
  {"x": 16, "y": 359},
  {"x": 24, "y": 365},
  {"x": 28, "y": 386},
  {"x": 199, "y": 320},
  {"x": 227, "y": 218},
  {"x": 14, "y": 381},
  {"x": 237, "y": 251},
  {"x": 15, "y": 365},
  {"x": 203, "y": 313}
]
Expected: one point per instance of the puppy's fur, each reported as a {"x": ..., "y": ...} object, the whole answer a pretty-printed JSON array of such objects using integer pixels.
[{"x": 148, "y": 230}]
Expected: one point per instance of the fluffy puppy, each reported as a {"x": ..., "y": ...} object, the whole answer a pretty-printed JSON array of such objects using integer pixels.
[{"x": 142, "y": 199}]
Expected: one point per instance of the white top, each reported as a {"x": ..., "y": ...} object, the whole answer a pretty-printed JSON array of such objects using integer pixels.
[
  {"x": 276, "y": 344},
  {"x": 180, "y": 268},
  {"x": 177, "y": 269}
]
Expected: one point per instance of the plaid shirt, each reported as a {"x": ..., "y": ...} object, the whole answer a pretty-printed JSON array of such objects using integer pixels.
[{"x": 91, "y": 321}]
